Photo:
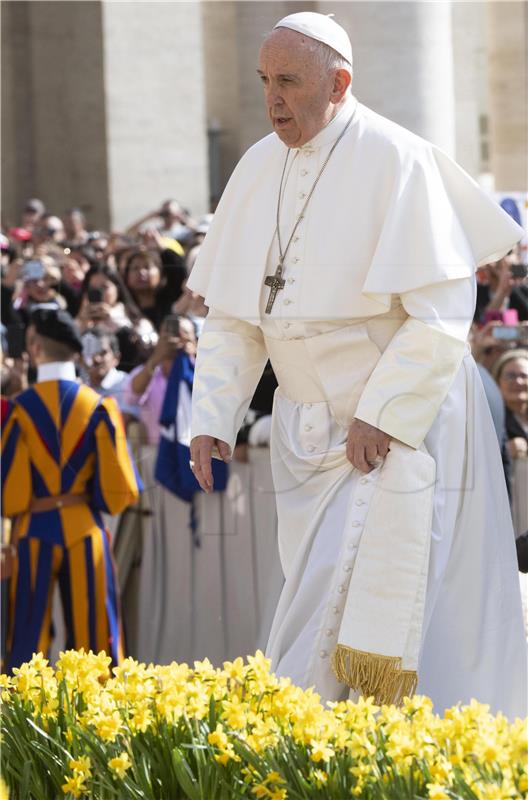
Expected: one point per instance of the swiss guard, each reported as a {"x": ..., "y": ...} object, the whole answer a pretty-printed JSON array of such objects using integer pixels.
[{"x": 65, "y": 461}]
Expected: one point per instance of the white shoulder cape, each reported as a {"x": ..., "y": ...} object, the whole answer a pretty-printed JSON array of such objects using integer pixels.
[{"x": 391, "y": 213}]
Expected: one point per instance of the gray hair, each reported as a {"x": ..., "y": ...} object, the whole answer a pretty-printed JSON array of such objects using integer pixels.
[{"x": 328, "y": 58}]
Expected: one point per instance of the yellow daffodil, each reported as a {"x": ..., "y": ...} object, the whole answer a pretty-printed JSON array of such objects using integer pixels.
[
  {"x": 120, "y": 764},
  {"x": 357, "y": 745},
  {"x": 108, "y": 726},
  {"x": 319, "y": 751},
  {"x": 437, "y": 792},
  {"x": 75, "y": 786},
  {"x": 81, "y": 766}
]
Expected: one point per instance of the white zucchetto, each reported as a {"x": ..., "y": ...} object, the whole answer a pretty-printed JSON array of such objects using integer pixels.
[{"x": 320, "y": 27}]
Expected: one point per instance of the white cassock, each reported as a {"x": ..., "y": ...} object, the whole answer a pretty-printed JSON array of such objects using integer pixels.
[{"x": 372, "y": 323}]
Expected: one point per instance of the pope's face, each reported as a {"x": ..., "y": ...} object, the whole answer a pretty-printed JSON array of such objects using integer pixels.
[{"x": 300, "y": 95}]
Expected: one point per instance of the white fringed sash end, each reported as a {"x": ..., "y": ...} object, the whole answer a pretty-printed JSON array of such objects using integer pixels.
[
  {"x": 381, "y": 630},
  {"x": 380, "y": 677}
]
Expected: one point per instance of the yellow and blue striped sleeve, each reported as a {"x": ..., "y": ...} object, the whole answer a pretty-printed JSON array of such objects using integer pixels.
[
  {"x": 116, "y": 484},
  {"x": 16, "y": 470}
]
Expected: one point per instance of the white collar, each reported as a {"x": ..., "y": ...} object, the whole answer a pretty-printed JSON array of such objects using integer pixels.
[
  {"x": 331, "y": 131},
  {"x": 56, "y": 371}
]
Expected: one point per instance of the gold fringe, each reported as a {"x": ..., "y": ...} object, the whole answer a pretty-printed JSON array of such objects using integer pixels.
[{"x": 380, "y": 677}]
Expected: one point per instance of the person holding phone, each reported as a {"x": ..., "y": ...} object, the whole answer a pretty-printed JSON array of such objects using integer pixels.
[
  {"x": 147, "y": 383},
  {"x": 40, "y": 278},
  {"x": 154, "y": 281},
  {"x": 100, "y": 359},
  {"x": 502, "y": 285},
  {"x": 106, "y": 301}
]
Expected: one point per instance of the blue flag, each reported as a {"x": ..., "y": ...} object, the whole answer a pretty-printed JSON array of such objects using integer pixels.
[{"x": 172, "y": 463}]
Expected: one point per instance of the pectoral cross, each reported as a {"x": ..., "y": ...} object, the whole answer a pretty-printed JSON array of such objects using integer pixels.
[{"x": 276, "y": 283}]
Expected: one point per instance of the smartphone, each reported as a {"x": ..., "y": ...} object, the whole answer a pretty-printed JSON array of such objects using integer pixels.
[
  {"x": 92, "y": 346},
  {"x": 95, "y": 295},
  {"x": 33, "y": 270},
  {"x": 519, "y": 270},
  {"x": 171, "y": 325},
  {"x": 506, "y": 333},
  {"x": 16, "y": 340}
]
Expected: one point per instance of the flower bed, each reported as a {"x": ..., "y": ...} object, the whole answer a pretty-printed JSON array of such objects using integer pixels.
[{"x": 172, "y": 732}]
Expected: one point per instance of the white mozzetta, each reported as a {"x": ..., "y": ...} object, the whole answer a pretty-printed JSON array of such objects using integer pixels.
[{"x": 407, "y": 217}]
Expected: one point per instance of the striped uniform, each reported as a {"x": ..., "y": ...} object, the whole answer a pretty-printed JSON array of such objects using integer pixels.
[{"x": 59, "y": 438}]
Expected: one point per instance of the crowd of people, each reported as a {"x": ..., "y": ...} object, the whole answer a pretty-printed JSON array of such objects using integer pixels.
[
  {"x": 499, "y": 342},
  {"x": 126, "y": 292},
  {"x": 133, "y": 311},
  {"x": 126, "y": 298},
  {"x": 122, "y": 288},
  {"x": 118, "y": 287}
]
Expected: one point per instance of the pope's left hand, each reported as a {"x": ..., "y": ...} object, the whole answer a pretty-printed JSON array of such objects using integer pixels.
[{"x": 366, "y": 445}]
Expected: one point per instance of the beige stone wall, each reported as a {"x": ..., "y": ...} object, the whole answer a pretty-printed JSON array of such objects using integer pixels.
[
  {"x": 222, "y": 84},
  {"x": 155, "y": 103},
  {"x": 17, "y": 128},
  {"x": 107, "y": 105},
  {"x": 403, "y": 62},
  {"x": 53, "y": 117},
  {"x": 508, "y": 71},
  {"x": 254, "y": 21},
  {"x": 471, "y": 84}
]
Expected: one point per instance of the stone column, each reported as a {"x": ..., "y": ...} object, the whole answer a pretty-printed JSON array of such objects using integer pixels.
[
  {"x": 53, "y": 115},
  {"x": 222, "y": 80},
  {"x": 471, "y": 86},
  {"x": 254, "y": 21},
  {"x": 508, "y": 94},
  {"x": 403, "y": 62},
  {"x": 155, "y": 120}
]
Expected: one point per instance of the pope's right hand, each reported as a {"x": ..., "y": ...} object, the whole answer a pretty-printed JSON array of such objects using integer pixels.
[{"x": 201, "y": 455}]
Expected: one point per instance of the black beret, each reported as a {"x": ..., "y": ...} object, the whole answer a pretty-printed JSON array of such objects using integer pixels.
[{"x": 56, "y": 324}]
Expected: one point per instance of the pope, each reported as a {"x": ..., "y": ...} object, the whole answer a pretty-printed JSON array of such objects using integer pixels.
[{"x": 344, "y": 250}]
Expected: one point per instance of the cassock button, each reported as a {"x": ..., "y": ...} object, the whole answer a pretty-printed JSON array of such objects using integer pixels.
[
  {"x": 341, "y": 589},
  {"x": 352, "y": 546},
  {"x": 311, "y": 448},
  {"x": 364, "y": 480},
  {"x": 285, "y": 324},
  {"x": 347, "y": 567},
  {"x": 360, "y": 502},
  {"x": 329, "y": 632},
  {"x": 291, "y": 280},
  {"x": 323, "y": 653},
  {"x": 296, "y": 238},
  {"x": 308, "y": 427},
  {"x": 304, "y": 172},
  {"x": 302, "y": 195},
  {"x": 356, "y": 524},
  {"x": 296, "y": 260},
  {"x": 307, "y": 405},
  {"x": 335, "y": 609},
  {"x": 288, "y": 302}
]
